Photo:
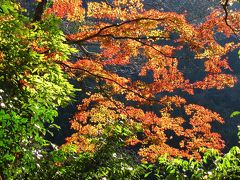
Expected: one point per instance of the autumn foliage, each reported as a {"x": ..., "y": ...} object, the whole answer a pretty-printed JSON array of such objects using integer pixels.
[{"x": 121, "y": 32}]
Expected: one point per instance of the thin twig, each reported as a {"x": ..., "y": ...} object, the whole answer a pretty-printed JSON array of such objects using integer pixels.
[
  {"x": 225, "y": 8},
  {"x": 109, "y": 79},
  {"x": 70, "y": 41}
]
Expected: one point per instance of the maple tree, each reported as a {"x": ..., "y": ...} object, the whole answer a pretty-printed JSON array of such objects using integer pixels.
[
  {"x": 146, "y": 109},
  {"x": 123, "y": 32}
]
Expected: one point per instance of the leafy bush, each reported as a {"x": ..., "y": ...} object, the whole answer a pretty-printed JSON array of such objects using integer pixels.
[{"x": 32, "y": 86}]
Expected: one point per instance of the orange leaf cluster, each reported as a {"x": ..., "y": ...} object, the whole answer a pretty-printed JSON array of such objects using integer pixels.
[
  {"x": 72, "y": 9},
  {"x": 121, "y": 32}
]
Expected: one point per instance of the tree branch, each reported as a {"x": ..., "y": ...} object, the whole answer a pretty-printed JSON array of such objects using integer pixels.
[
  {"x": 70, "y": 41},
  {"x": 39, "y": 10},
  {"x": 138, "y": 39},
  {"x": 116, "y": 105},
  {"x": 86, "y": 52},
  {"x": 225, "y": 8},
  {"x": 109, "y": 79}
]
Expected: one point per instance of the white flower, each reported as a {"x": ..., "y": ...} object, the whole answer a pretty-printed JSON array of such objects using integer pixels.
[
  {"x": 209, "y": 172},
  {"x": 114, "y": 155},
  {"x": 104, "y": 178},
  {"x": 2, "y": 105},
  {"x": 130, "y": 168},
  {"x": 1, "y": 91},
  {"x": 205, "y": 177},
  {"x": 37, "y": 154}
]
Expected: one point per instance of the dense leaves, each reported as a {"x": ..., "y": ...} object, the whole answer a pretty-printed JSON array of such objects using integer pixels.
[
  {"x": 32, "y": 86},
  {"x": 128, "y": 127},
  {"x": 124, "y": 33},
  {"x": 118, "y": 164}
]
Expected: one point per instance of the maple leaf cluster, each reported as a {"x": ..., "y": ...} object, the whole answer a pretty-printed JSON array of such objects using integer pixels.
[{"x": 121, "y": 31}]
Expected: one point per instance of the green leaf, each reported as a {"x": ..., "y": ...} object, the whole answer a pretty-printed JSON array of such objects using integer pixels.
[
  {"x": 9, "y": 157},
  {"x": 147, "y": 174},
  {"x": 54, "y": 126},
  {"x": 5, "y": 8},
  {"x": 235, "y": 113}
]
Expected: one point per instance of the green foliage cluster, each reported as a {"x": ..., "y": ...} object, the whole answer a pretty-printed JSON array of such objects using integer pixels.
[
  {"x": 109, "y": 162},
  {"x": 213, "y": 166},
  {"x": 31, "y": 86},
  {"x": 113, "y": 162}
]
